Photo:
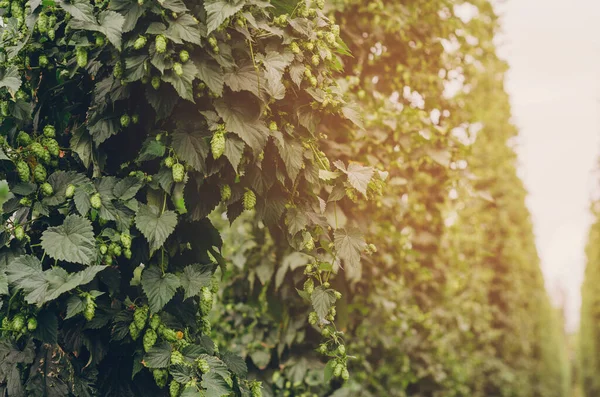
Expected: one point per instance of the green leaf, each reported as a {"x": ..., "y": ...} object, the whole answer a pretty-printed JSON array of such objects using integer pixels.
[
  {"x": 292, "y": 154},
  {"x": 349, "y": 245},
  {"x": 80, "y": 10},
  {"x": 127, "y": 188},
  {"x": 59, "y": 181},
  {"x": 177, "y": 6},
  {"x": 75, "y": 305},
  {"x": 159, "y": 288},
  {"x": 217, "y": 11},
  {"x": 234, "y": 149},
  {"x": 183, "y": 83},
  {"x": 296, "y": 220},
  {"x": 73, "y": 241},
  {"x": 211, "y": 74},
  {"x": 135, "y": 67},
  {"x": 358, "y": 175},
  {"x": 162, "y": 101},
  {"x": 47, "y": 329},
  {"x": 154, "y": 226},
  {"x": 193, "y": 278},
  {"x": 353, "y": 115},
  {"x": 81, "y": 143},
  {"x": 322, "y": 300},
  {"x": 191, "y": 147},
  {"x": 182, "y": 373},
  {"x": 10, "y": 78},
  {"x": 243, "y": 121},
  {"x": 215, "y": 385},
  {"x": 151, "y": 149},
  {"x": 158, "y": 356},
  {"x": 184, "y": 28},
  {"x": 110, "y": 23},
  {"x": 235, "y": 363},
  {"x": 3, "y": 283},
  {"x": 243, "y": 78},
  {"x": 130, "y": 10}
]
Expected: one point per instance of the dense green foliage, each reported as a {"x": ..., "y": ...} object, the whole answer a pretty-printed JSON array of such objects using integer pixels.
[{"x": 239, "y": 197}]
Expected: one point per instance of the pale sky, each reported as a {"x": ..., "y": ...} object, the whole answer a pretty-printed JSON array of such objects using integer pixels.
[{"x": 553, "y": 49}]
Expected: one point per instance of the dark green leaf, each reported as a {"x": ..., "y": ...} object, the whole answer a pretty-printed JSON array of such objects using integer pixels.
[
  {"x": 193, "y": 278},
  {"x": 73, "y": 241},
  {"x": 159, "y": 288}
]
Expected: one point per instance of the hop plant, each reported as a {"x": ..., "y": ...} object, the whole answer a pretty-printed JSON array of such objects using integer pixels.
[
  {"x": 178, "y": 172},
  {"x": 32, "y": 324},
  {"x": 82, "y": 57},
  {"x": 155, "y": 82},
  {"x": 47, "y": 189},
  {"x": 176, "y": 357},
  {"x": 184, "y": 56},
  {"x": 140, "y": 316},
  {"x": 90, "y": 308},
  {"x": 249, "y": 200},
  {"x": 125, "y": 240},
  {"x": 140, "y": 42},
  {"x": 206, "y": 300},
  {"x": 150, "y": 338},
  {"x": 39, "y": 173},
  {"x": 134, "y": 331},
  {"x": 96, "y": 201},
  {"x": 52, "y": 146},
  {"x": 225, "y": 192},
  {"x": 18, "y": 323},
  {"x": 23, "y": 171},
  {"x": 135, "y": 118},
  {"x": 19, "y": 233},
  {"x": 70, "y": 191},
  {"x": 43, "y": 61},
  {"x": 154, "y": 322},
  {"x": 160, "y": 377},
  {"x": 125, "y": 120},
  {"x": 217, "y": 144},
  {"x": 169, "y": 162},
  {"x": 309, "y": 286},
  {"x": 37, "y": 149},
  {"x": 23, "y": 138},
  {"x": 42, "y": 23},
  {"x": 178, "y": 69},
  {"x": 49, "y": 131},
  {"x": 203, "y": 366},
  {"x": 118, "y": 70},
  {"x": 160, "y": 44},
  {"x": 169, "y": 335}
]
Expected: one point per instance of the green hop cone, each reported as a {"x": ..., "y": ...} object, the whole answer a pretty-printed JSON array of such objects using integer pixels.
[
  {"x": 150, "y": 338},
  {"x": 32, "y": 324},
  {"x": 39, "y": 173},
  {"x": 37, "y": 149},
  {"x": 4, "y": 111},
  {"x": 184, "y": 56},
  {"x": 23, "y": 138},
  {"x": 125, "y": 120},
  {"x": 249, "y": 200},
  {"x": 19, "y": 233},
  {"x": 160, "y": 377},
  {"x": 99, "y": 40},
  {"x": 217, "y": 144},
  {"x": 338, "y": 295},
  {"x": 169, "y": 162},
  {"x": 315, "y": 60},
  {"x": 140, "y": 316},
  {"x": 51, "y": 34},
  {"x": 155, "y": 82},
  {"x": 47, "y": 189},
  {"x": 345, "y": 374},
  {"x": 103, "y": 249},
  {"x": 169, "y": 335},
  {"x": 154, "y": 321},
  {"x": 135, "y": 118},
  {"x": 309, "y": 286},
  {"x": 96, "y": 201},
  {"x": 43, "y": 61},
  {"x": 273, "y": 126},
  {"x": 25, "y": 201},
  {"x": 313, "y": 318},
  {"x": 206, "y": 300},
  {"x": 82, "y": 57},
  {"x": 176, "y": 357},
  {"x": 256, "y": 389},
  {"x": 174, "y": 388},
  {"x": 18, "y": 323},
  {"x": 42, "y": 23},
  {"x": 178, "y": 171},
  {"x": 127, "y": 253},
  {"x": 341, "y": 349},
  {"x": 225, "y": 192},
  {"x": 160, "y": 44},
  {"x": 90, "y": 308},
  {"x": 118, "y": 70},
  {"x": 117, "y": 250},
  {"x": 203, "y": 366},
  {"x": 295, "y": 48},
  {"x": 337, "y": 371},
  {"x": 49, "y": 131},
  {"x": 134, "y": 331},
  {"x": 126, "y": 240},
  {"x": 140, "y": 42},
  {"x": 52, "y": 146},
  {"x": 23, "y": 171},
  {"x": 178, "y": 69},
  {"x": 70, "y": 191}
]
